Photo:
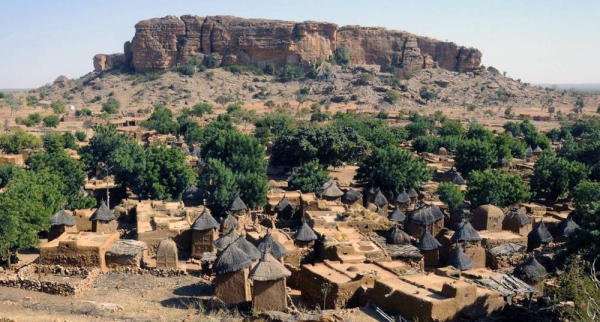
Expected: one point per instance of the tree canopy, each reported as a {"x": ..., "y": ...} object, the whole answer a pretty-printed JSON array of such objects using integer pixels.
[
  {"x": 495, "y": 187},
  {"x": 555, "y": 176},
  {"x": 309, "y": 178}
]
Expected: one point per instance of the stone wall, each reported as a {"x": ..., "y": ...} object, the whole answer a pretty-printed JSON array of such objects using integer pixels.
[{"x": 31, "y": 278}]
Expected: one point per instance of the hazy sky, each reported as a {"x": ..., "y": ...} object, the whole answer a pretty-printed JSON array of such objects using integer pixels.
[{"x": 538, "y": 41}]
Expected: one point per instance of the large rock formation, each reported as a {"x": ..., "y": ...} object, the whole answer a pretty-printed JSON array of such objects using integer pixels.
[{"x": 163, "y": 43}]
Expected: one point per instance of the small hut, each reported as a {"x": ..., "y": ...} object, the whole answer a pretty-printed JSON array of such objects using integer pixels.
[
  {"x": 331, "y": 191},
  {"x": 487, "y": 217},
  {"x": 442, "y": 151},
  {"x": 192, "y": 196},
  {"x": 538, "y": 236},
  {"x": 412, "y": 194},
  {"x": 537, "y": 151},
  {"x": 226, "y": 239},
  {"x": 453, "y": 176},
  {"x": 403, "y": 200},
  {"x": 429, "y": 247},
  {"x": 379, "y": 200},
  {"x": 419, "y": 220},
  {"x": 470, "y": 243},
  {"x": 465, "y": 233},
  {"x": 204, "y": 234},
  {"x": 351, "y": 197},
  {"x": 103, "y": 220},
  {"x": 248, "y": 248},
  {"x": 517, "y": 222},
  {"x": 565, "y": 229},
  {"x": 269, "y": 291},
  {"x": 238, "y": 207},
  {"x": 229, "y": 223},
  {"x": 398, "y": 236},
  {"x": 529, "y": 152},
  {"x": 460, "y": 260},
  {"x": 275, "y": 248},
  {"x": 232, "y": 268},
  {"x": 532, "y": 272},
  {"x": 371, "y": 192},
  {"x": 398, "y": 216},
  {"x": 284, "y": 208},
  {"x": 166, "y": 254},
  {"x": 304, "y": 236},
  {"x": 60, "y": 223}
]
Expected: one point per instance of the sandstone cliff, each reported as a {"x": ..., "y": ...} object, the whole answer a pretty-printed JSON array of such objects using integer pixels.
[{"x": 163, "y": 43}]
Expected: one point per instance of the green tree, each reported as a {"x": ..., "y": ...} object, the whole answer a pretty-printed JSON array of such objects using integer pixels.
[
  {"x": 220, "y": 183},
  {"x": 202, "y": 108},
  {"x": 474, "y": 155},
  {"x": 80, "y": 136},
  {"x": 451, "y": 128},
  {"x": 19, "y": 141},
  {"x": 51, "y": 121},
  {"x": 111, "y": 106},
  {"x": 579, "y": 105},
  {"x": 341, "y": 56},
  {"x": 417, "y": 129},
  {"x": 427, "y": 94},
  {"x": 167, "y": 174},
  {"x": 392, "y": 170},
  {"x": 273, "y": 124},
  {"x": 495, "y": 187},
  {"x": 392, "y": 96},
  {"x": 58, "y": 107},
  {"x": 70, "y": 141},
  {"x": 31, "y": 100},
  {"x": 223, "y": 100},
  {"x": 451, "y": 195},
  {"x": 106, "y": 139},
  {"x": 555, "y": 176},
  {"x": 6, "y": 173},
  {"x": 479, "y": 132},
  {"x": 32, "y": 119},
  {"x": 309, "y": 178},
  {"x": 161, "y": 120}
]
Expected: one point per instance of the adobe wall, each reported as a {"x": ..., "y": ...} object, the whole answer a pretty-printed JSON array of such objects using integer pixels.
[
  {"x": 82, "y": 219},
  {"x": 152, "y": 238},
  {"x": 398, "y": 302},
  {"x": 202, "y": 241},
  {"x": 233, "y": 288},
  {"x": 477, "y": 254},
  {"x": 269, "y": 295},
  {"x": 122, "y": 261},
  {"x": 75, "y": 254},
  {"x": 100, "y": 226}
]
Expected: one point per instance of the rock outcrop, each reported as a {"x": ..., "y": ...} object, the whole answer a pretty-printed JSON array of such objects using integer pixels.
[{"x": 163, "y": 43}]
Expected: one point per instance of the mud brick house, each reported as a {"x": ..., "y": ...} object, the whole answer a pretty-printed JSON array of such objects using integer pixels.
[{"x": 82, "y": 249}]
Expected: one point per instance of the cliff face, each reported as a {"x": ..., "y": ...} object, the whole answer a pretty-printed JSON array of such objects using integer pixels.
[{"x": 163, "y": 43}]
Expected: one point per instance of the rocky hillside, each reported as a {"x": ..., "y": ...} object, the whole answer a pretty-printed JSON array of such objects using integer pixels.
[{"x": 164, "y": 43}]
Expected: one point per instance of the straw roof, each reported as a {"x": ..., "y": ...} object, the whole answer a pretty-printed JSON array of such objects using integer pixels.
[
  {"x": 230, "y": 223},
  {"x": 507, "y": 249},
  {"x": 428, "y": 242},
  {"x": 284, "y": 205},
  {"x": 566, "y": 228},
  {"x": 327, "y": 183},
  {"x": 268, "y": 269},
  {"x": 529, "y": 152},
  {"x": 275, "y": 248},
  {"x": 237, "y": 205},
  {"x": 62, "y": 218},
  {"x": 540, "y": 234},
  {"x": 331, "y": 189},
  {"x": 379, "y": 199},
  {"x": 226, "y": 240},
  {"x": 103, "y": 213},
  {"x": 380, "y": 211},
  {"x": 422, "y": 216},
  {"x": 397, "y": 215},
  {"x": 351, "y": 195},
  {"x": 305, "y": 233},
  {"x": 412, "y": 193},
  {"x": 465, "y": 232},
  {"x": 231, "y": 259},
  {"x": 398, "y": 237},
  {"x": 460, "y": 260},
  {"x": 436, "y": 211},
  {"x": 531, "y": 270},
  {"x": 403, "y": 197},
  {"x": 537, "y": 149},
  {"x": 247, "y": 247},
  {"x": 517, "y": 215},
  {"x": 205, "y": 221},
  {"x": 458, "y": 179},
  {"x": 192, "y": 193}
]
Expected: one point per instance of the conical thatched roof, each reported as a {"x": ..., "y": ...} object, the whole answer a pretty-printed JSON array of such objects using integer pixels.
[
  {"x": 465, "y": 232},
  {"x": 226, "y": 240},
  {"x": 103, "y": 213},
  {"x": 231, "y": 259},
  {"x": 412, "y": 193},
  {"x": 537, "y": 149},
  {"x": 230, "y": 223},
  {"x": 397, "y": 215},
  {"x": 567, "y": 228},
  {"x": 504, "y": 162},
  {"x": 540, "y": 234},
  {"x": 351, "y": 196},
  {"x": 529, "y": 152},
  {"x": 460, "y": 260},
  {"x": 284, "y": 205},
  {"x": 331, "y": 189},
  {"x": 205, "y": 221},
  {"x": 62, "y": 218},
  {"x": 428, "y": 242},
  {"x": 305, "y": 233},
  {"x": 422, "y": 216},
  {"x": 458, "y": 179},
  {"x": 398, "y": 237},
  {"x": 379, "y": 199},
  {"x": 403, "y": 197},
  {"x": 380, "y": 211},
  {"x": 200, "y": 163},
  {"x": 275, "y": 248},
  {"x": 372, "y": 190},
  {"x": 517, "y": 215},
  {"x": 268, "y": 269},
  {"x": 237, "y": 205},
  {"x": 531, "y": 271},
  {"x": 192, "y": 193},
  {"x": 327, "y": 183},
  {"x": 437, "y": 212},
  {"x": 247, "y": 247}
]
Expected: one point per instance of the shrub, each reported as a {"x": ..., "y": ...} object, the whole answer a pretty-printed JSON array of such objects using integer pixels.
[
  {"x": 290, "y": 73},
  {"x": 427, "y": 94},
  {"x": 233, "y": 108},
  {"x": 270, "y": 69},
  {"x": 31, "y": 100},
  {"x": 111, "y": 106},
  {"x": 32, "y": 119},
  {"x": 96, "y": 99},
  {"x": 83, "y": 112},
  {"x": 341, "y": 56},
  {"x": 58, "y": 107},
  {"x": 51, "y": 121},
  {"x": 80, "y": 136},
  {"x": 202, "y": 108},
  {"x": 392, "y": 96}
]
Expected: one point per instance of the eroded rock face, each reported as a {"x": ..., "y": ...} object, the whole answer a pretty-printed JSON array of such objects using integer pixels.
[{"x": 163, "y": 43}]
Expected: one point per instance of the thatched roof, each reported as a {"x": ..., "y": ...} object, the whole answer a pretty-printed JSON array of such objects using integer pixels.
[
  {"x": 103, "y": 213},
  {"x": 460, "y": 260},
  {"x": 205, "y": 221},
  {"x": 422, "y": 216},
  {"x": 237, "y": 205},
  {"x": 518, "y": 216},
  {"x": 566, "y": 228},
  {"x": 465, "y": 232},
  {"x": 412, "y": 193},
  {"x": 192, "y": 193},
  {"x": 458, "y": 179},
  {"x": 437, "y": 212},
  {"x": 507, "y": 249},
  {"x": 231, "y": 259},
  {"x": 62, "y": 218},
  {"x": 247, "y": 247},
  {"x": 531, "y": 271},
  {"x": 540, "y": 234},
  {"x": 351, "y": 195},
  {"x": 226, "y": 240},
  {"x": 380, "y": 211},
  {"x": 284, "y": 205},
  {"x": 200, "y": 163},
  {"x": 305, "y": 233},
  {"x": 230, "y": 222},
  {"x": 398, "y": 236},
  {"x": 379, "y": 199},
  {"x": 529, "y": 152},
  {"x": 275, "y": 248},
  {"x": 268, "y": 269},
  {"x": 397, "y": 215},
  {"x": 428, "y": 242},
  {"x": 403, "y": 197},
  {"x": 331, "y": 189},
  {"x": 126, "y": 247},
  {"x": 537, "y": 149}
]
